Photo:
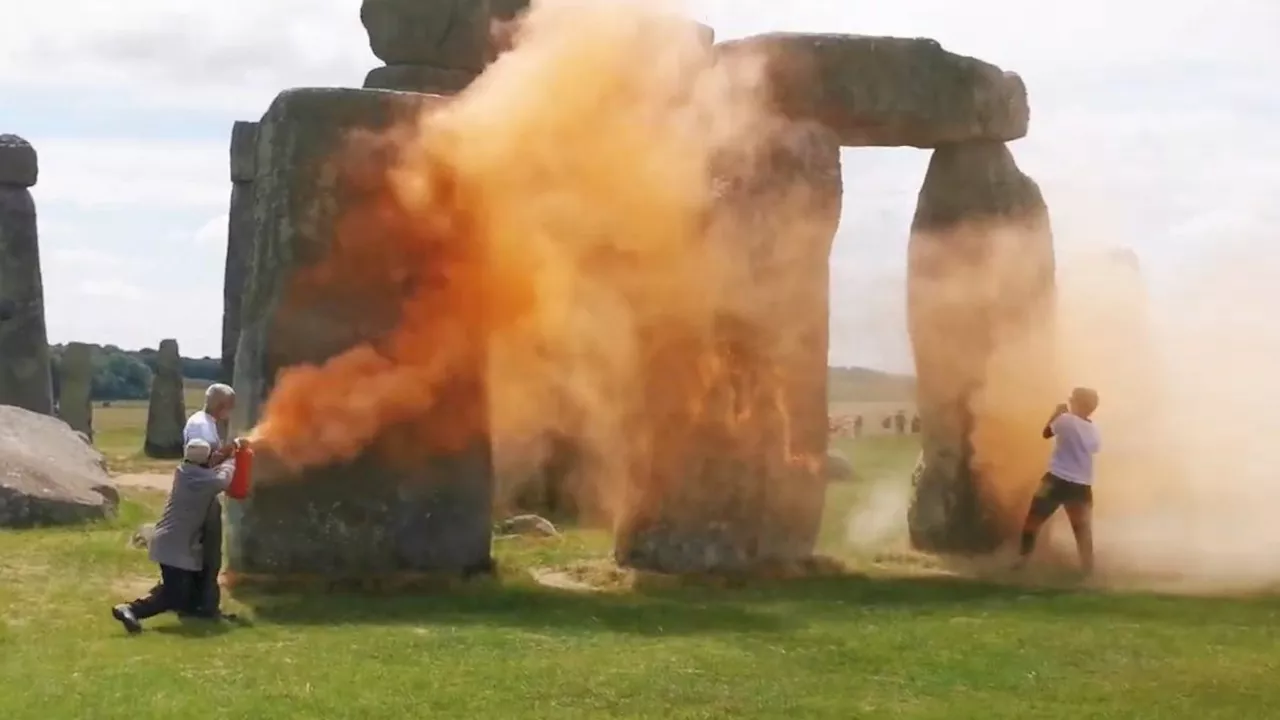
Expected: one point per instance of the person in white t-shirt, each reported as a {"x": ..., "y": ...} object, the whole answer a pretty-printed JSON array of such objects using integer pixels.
[
  {"x": 1069, "y": 481},
  {"x": 219, "y": 401}
]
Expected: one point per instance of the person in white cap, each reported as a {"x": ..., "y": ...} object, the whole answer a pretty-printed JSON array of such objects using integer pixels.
[{"x": 177, "y": 546}]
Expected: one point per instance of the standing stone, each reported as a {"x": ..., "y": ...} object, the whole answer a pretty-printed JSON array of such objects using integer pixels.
[
  {"x": 167, "y": 413},
  {"x": 980, "y": 308},
  {"x": 244, "y": 139},
  {"x": 419, "y": 78},
  {"x": 26, "y": 375},
  {"x": 450, "y": 34},
  {"x": 736, "y": 471},
  {"x": 888, "y": 91},
  {"x": 74, "y": 404},
  {"x": 432, "y": 46},
  {"x": 369, "y": 517},
  {"x": 507, "y": 9}
]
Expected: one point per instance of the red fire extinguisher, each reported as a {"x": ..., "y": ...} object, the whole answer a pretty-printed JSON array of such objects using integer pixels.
[{"x": 239, "y": 487}]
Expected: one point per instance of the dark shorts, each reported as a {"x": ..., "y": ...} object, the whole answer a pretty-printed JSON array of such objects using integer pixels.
[{"x": 1055, "y": 492}]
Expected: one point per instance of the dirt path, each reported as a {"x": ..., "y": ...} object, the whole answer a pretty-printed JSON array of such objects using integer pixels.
[{"x": 149, "y": 481}]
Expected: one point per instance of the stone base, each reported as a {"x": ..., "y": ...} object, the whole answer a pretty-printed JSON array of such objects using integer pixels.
[
  {"x": 765, "y": 520},
  {"x": 948, "y": 515},
  {"x": 715, "y": 550},
  {"x": 365, "y": 520},
  {"x": 244, "y": 584}
]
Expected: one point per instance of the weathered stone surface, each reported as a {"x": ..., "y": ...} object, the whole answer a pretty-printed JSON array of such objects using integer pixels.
[
  {"x": 239, "y": 248},
  {"x": 76, "y": 378},
  {"x": 887, "y": 91},
  {"x": 367, "y": 517},
  {"x": 18, "y": 163},
  {"x": 26, "y": 376},
  {"x": 244, "y": 147},
  {"x": 244, "y": 138},
  {"x": 419, "y": 78},
  {"x": 167, "y": 412},
  {"x": 980, "y": 307},
  {"x": 740, "y": 482},
  {"x": 451, "y": 34},
  {"x": 507, "y": 9},
  {"x": 48, "y": 476}
]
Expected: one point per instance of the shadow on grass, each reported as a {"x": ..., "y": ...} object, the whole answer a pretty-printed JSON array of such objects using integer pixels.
[
  {"x": 773, "y": 607},
  {"x": 526, "y": 608},
  {"x": 201, "y": 628},
  {"x": 823, "y": 598},
  {"x": 189, "y": 629}
]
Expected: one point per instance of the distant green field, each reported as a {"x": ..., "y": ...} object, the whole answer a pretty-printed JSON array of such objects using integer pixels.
[
  {"x": 862, "y": 385},
  {"x": 120, "y": 427}
]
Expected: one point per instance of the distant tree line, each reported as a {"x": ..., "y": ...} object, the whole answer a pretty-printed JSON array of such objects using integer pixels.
[
  {"x": 855, "y": 384},
  {"x": 126, "y": 374}
]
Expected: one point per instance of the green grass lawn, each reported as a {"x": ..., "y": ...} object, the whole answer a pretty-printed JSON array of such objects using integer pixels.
[
  {"x": 883, "y": 643},
  {"x": 838, "y": 647}
]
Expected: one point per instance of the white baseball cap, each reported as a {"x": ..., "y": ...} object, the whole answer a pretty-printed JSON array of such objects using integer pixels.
[{"x": 197, "y": 451}]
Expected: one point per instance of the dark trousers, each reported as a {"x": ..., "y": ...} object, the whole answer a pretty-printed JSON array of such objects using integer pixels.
[
  {"x": 207, "y": 579},
  {"x": 178, "y": 591}
]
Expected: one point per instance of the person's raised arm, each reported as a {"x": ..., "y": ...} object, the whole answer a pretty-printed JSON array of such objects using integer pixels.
[
  {"x": 224, "y": 472},
  {"x": 228, "y": 450},
  {"x": 1057, "y": 413},
  {"x": 222, "y": 453}
]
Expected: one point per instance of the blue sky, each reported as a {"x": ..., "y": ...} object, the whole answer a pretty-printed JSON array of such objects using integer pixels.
[{"x": 1154, "y": 126}]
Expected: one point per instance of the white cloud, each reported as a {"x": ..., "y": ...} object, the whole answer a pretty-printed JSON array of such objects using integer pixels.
[
  {"x": 213, "y": 234},
  {"x": 185, "y": 53},
  {"x": 80, "y": 257},
  {"x": 97, "y": 172},
  {"x": 112, "y": 289}
]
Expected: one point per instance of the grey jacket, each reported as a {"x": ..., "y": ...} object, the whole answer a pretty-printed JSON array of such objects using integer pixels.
[{"x": 179, "y": 531}]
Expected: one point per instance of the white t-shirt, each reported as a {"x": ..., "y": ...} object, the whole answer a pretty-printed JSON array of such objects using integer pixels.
[
  {"x": 1076, "y": 441},
  {"x": 202, "y": 425}
]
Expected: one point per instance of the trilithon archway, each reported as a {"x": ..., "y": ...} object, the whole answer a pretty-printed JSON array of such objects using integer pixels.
[{"x": 981, "y": 281}]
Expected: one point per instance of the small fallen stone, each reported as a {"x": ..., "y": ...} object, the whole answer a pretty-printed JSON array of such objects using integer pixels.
[{"x": 528, "y": 525}]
